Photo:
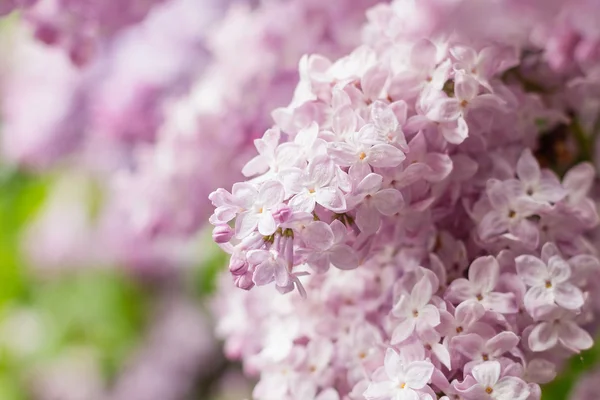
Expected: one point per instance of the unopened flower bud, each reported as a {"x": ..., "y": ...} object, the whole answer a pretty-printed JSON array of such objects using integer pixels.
[{"x": 222, "y": 234}]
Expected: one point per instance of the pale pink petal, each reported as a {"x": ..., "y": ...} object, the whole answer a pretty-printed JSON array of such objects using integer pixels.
[
  {"x": 559, "y": 269},
  {"x": 292, "y": 179},
  {"x": 460, "y": 290},
  {"x": 384, "y": 155},
  {"x": 502, "y": 343},
  {"x": 318, "y": 235},
  {"x": 344, "y": 121},
  {"x": 403, "y": 330},
  {"x": 469, "y": 345},
  {"x": 255, "y": 166},
  {"x": 444, "y": 110},
  {"x": 263, "y": 274},
  {"x": 270, "y": 194},
  {"x": 321, "y": 171},
  {"x": 429, "y": 316},
  {"x": 440, "y": 164},
  {"x": 493, "y": 224},
  {"x": 543, "y": 337},
  {"x": 511, "y": 388},
  {"x": 368, "y": 219},
  {"x": 421, "y": 293},
  {"x": 465, "y": 87},
  {"x": 504, "y": 303},
  {"x": 266, "y": 224},
  {"x": 373, "y": 81},
  {"x": 343, "y": 257},
  {"x": 282, "y": 276},
  {"x": 484, "y": 273},
  {"x": 487, "y": 373},
  {"x": 573, "y": 337},
  {"x": 392, "y": 363},
  {"x": 418, "y": 374},
  {"x": 388, "y": 201},
  {"x": 331, "y": 198},
  {"x": 304, "y": 202},
  {"x": 379, "y": 390},
  {"x": 531, "y": 270},
  {"x": 468, "y": 312},
  {"x": 245, "y": 224},
  {"x": 256, "y": 257},
  {"x": 369, "y": 185},
  {"x": 568, "y": 296},
  {"x": 245, "y": 193},
  {"x": 465, "y": 55},
  {"x": 538, "y": 296},
  {"x": 528, "y": 169},
  {"x": 455, "y": 132},
  {"x": 442, "y": 354}
]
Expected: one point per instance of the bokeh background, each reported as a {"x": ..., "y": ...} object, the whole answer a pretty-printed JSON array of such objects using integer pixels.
[{"x": 116, "y": 124}]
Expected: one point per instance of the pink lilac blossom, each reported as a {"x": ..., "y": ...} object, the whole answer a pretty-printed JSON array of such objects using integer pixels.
[
  {"x": 468, "y": 266},
  {"x": 159, "y": 146}
]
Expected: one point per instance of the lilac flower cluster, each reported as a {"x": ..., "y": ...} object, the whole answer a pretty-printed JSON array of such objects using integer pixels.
[{"x": 462, "y": 268}]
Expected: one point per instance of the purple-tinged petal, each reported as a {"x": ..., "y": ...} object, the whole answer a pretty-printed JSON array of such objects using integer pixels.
[
  {"x": 403, "y": 330},
  {"x": 318, "y": 235},
  {"x": 484, "y": 273},
  {"x": 385, "y": 155},
  {"x": 388, "y": 201},
  {"x": 528, "y": 169},
  {"x": 544, "y": 336},
  {"x": 487, "y": 373},
  {"x": 331, "y": 198},
  {"x": 444, "y": 110},
  {"x": 270, "y": 194},
  {"x": 538, "y": 296},
  {"x": 573, "y": 337},
  {"x": 465, "y": 87},
  {"x": 531, "y": 270},
  {"x": 510, "y": 387},
  {"x": 245, "y": 224},
  {"x": 568, "y": 296},
  {"x": 502, "y": 343},
  {"x": 266, "y": 224},
  {"x": 558, "y": 269},
  {"x": 393, "y": 363},
  {"x": 460, "y": 290},
  {"x": 343, "y": 257},
  {"x": 418, "y": 374}
]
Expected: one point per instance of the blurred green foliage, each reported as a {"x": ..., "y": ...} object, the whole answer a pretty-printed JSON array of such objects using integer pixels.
[{"x": 98, "y": 309}]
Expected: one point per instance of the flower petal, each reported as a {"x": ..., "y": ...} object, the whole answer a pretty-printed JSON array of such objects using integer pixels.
[
  {"x": 388, "y": 201},
  {"x": 418, "y": 374},
  {"x": 568, "y": 296},
  {"x": 487, "y": 373},
  {"x": 385, "y": 155},
  {"x": 484, "y": 273},
  {"x": 544, "y": 336},
  {"x": 573, "y": 337},
  {"x": 531, "y": 270}
]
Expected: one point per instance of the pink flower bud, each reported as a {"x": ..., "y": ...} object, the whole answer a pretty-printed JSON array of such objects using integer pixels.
[
  {"x": 238, "y": 266},
  {"x": 244, "y": 281},
  {"x": 222, "y": 233},
  {"x": 282, "y": 213}
]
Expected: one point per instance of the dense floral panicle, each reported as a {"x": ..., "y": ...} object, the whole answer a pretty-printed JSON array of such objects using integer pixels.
[{"x": 417, "y": 166}]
